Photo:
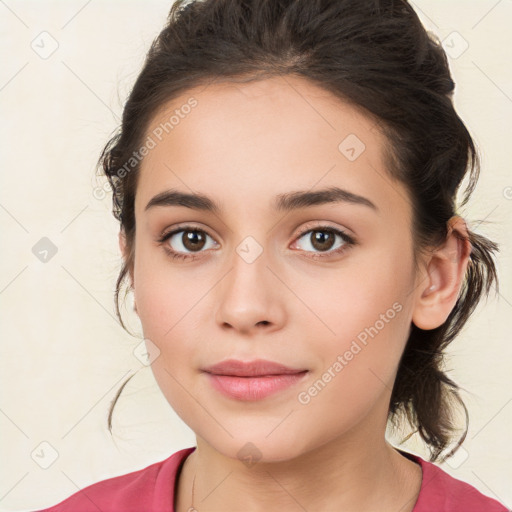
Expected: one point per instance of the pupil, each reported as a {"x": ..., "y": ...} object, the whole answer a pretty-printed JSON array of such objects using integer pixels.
[
  {"x": 193, "y": 240},
  {"x": 322, "y": 240}
]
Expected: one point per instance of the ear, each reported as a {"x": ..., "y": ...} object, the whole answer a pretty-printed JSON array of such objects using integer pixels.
[
  {"x": 124, "y": 251},
  {"x": 438, "y": 290}
]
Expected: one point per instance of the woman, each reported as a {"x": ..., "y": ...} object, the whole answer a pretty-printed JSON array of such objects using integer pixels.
[{"x": 285, "y": 178}]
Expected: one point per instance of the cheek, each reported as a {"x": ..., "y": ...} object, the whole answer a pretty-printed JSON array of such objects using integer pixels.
[
  {"x": 365, "y": 317},
  {"x": 171, "y": 307},
  {"x": 165, "y": 306},
  {"x": 164, "y": 294},
  {"x": 357, "y": 365}
]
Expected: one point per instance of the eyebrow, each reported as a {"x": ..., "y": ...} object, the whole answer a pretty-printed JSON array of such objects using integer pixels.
[{"x": 282, "y": 202}]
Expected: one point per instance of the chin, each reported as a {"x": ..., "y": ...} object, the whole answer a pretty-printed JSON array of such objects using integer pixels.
[{"x": 256, "y": 445}]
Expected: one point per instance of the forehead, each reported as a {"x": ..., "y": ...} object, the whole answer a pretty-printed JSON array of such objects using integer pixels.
[{"x": 244, "y": 141}]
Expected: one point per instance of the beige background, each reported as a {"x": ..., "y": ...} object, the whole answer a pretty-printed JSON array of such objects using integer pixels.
[{"x": 64, "y": 355}]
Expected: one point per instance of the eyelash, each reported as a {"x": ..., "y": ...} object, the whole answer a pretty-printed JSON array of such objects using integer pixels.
[{"x": 349, "y": 242}]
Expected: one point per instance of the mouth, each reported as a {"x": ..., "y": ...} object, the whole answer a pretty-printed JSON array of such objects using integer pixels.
[
  {"x": 255, "y": 368},
  {"x": 252, "y": 380}
]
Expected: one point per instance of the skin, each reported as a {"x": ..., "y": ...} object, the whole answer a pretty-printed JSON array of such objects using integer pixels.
[{"x": 242, "y": 145}]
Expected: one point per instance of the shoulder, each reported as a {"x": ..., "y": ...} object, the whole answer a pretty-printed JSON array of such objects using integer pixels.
[
  {"x": 151, "y": 488},
  {"x": 443, "y": 493}
]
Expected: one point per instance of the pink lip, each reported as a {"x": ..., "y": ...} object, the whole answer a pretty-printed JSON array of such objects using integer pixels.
[{"x": 253, "y": 380}]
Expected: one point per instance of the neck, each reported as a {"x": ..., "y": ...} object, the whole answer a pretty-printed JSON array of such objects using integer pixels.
[{"x": 339, "y": 475}]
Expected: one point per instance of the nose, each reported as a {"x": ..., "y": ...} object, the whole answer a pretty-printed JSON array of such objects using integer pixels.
[{"x": 250, "y": 298}]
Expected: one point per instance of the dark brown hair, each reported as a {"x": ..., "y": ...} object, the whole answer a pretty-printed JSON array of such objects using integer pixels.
[{"x": 376, "y": 55}]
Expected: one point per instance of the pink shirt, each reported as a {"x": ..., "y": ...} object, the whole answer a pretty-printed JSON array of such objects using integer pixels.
[{"x": 152, "y": 490}]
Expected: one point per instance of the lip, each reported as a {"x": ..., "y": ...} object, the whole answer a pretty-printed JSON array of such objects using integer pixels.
[
  {"x": 255, "y": 368},
  {"x": 252, "y": 380}
]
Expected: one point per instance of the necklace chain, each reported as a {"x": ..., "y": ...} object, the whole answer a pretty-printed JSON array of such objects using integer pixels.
[{"x": 192, "y": 509}]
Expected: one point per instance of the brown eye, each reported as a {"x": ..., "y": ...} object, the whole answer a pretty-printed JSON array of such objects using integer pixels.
[
  {"x": 193, "y": 240},
  {"x": 186, "y": 240},
  {"x": 323, "y": 240}
]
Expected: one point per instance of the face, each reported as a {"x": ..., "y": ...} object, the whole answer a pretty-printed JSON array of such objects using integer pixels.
[{"x": 279, "y": 270}]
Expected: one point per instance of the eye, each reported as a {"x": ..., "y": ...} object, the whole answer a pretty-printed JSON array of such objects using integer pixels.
[
  {"x": 323, "y": 239},
  {"x": 184, "y": 239}
]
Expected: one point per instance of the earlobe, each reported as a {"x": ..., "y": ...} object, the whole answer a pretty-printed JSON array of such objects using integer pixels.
[{"x": 439, "y": 289}]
